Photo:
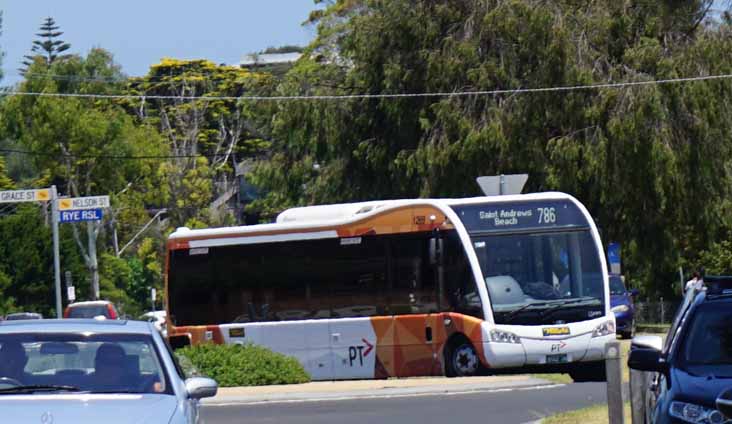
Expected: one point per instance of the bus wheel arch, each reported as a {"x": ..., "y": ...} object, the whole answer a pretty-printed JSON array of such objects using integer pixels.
[{"x": 461, "y": 357}]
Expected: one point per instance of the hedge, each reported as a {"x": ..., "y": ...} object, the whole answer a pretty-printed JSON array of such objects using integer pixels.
[{"x": 233, "y": 365}]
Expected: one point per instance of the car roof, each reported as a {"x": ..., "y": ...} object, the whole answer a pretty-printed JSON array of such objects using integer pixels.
[
  {"x": 71, "y": 325},
  {"x": 91, "y": 303}
]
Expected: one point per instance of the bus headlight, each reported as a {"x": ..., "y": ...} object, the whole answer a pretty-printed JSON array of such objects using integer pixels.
[
  {"x": 604, "y": 329},
  {"x": 499, "y": 336},
  {"x": 620, "y": 308}
]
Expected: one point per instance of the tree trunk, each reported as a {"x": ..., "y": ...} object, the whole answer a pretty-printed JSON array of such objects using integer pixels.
[{"x": 93, "y": 263}]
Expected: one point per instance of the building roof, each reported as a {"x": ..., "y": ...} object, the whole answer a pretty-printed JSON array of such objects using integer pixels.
[{"x": 269, "y": 59}]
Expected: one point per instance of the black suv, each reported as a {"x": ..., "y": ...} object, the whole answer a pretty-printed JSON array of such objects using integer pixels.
[{"x": 692, "y": 370}]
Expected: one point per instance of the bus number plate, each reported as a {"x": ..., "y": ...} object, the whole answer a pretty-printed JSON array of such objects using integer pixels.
[{"x": 556, "y": 359}]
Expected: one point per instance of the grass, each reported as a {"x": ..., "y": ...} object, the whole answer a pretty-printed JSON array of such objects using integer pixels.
[{"x": 593, "y": 415}]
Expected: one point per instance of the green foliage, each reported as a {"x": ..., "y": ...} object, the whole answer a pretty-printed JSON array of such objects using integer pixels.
[
  {"x": 226, "y": 130},
  {"x": 234, "y": 365},
  {"x": 717, "y": 260},
  {"x": 638, "y": 157}
]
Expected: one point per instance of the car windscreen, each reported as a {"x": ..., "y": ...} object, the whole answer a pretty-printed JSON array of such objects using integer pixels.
[
  {"x": 88, "y": 311},
  {"x": 83, "y": 362},
  {"x": 616, "y": 285},
  {"x": 707, "y": 345}
]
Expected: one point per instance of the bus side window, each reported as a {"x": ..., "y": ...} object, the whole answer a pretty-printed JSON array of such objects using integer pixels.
[{"x": 461, "y": 292}]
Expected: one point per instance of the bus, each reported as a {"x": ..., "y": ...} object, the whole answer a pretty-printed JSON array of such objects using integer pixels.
[{"x": 399, "y": 288}]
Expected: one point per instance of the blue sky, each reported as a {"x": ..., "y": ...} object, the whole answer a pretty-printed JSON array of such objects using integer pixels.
[{"x": 140, "y": 33}]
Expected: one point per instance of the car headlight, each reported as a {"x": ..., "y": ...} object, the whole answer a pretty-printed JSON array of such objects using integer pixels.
[
  {"x": 604, "y": 329},
  {"x": 620, "y": 308},
  {"x": 499, "y": 336},
  {"x": 696, "y": 414}
]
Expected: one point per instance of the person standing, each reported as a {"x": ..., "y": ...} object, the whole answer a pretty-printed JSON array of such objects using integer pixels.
[{"x": 696, "y": 282}]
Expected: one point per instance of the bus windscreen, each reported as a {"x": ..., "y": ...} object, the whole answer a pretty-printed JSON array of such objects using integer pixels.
[{"x": 540, "y": 262}]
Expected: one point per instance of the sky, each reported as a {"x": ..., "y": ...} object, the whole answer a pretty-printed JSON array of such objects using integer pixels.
[{"x": 140, "y": 33}]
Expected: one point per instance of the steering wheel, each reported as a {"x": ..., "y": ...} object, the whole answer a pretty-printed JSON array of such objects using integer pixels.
[{"x": 10, "y": 381}]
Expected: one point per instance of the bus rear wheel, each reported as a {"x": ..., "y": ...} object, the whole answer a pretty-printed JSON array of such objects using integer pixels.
[{"x": 461, "y": 359}]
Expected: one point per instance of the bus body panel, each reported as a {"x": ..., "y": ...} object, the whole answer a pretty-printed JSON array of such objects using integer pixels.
[
  {"x": 352, "y": 348},
  {"x": 412, "y": 344}
]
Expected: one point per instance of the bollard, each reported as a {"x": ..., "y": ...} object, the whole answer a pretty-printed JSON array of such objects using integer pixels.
[
  {"x": 614, "y": 383},
  {"x": 638, "y": 384}
]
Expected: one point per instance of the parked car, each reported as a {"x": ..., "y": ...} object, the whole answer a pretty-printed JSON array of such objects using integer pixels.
[
  {"x": 692, "y": 370},
  {"x": 157, "y": 318},
  {"x": 110, "y": 371},
  {"x": 23, "y": 315},
  {"x": 621, "y": 303},
  {"x": 92, "y": 309}
]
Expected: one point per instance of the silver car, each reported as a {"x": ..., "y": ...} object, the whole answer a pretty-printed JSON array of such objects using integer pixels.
[{"x": 69, "y": 371}]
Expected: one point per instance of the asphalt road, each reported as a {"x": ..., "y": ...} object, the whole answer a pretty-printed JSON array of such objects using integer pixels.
[{"x": 508, "y": 406}]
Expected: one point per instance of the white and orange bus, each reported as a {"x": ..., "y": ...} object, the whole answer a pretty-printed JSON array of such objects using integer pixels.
[{"x": 402, "y": 287}]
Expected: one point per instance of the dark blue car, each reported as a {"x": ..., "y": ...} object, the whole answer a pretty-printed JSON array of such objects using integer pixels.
[
  {"x": 692, "y": 370},
  {"x": 621, "y": 303}
]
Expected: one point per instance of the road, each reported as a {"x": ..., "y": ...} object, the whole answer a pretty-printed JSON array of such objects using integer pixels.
[{"x": 508, "y": 406}]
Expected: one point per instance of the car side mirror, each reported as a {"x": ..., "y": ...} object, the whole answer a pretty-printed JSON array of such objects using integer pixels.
[
  {"x": 651, "y": 342},
  {"x": 646, "y": 359},
  {"x": 201, "y": 387},
  {"x": 724, "y": 403}
]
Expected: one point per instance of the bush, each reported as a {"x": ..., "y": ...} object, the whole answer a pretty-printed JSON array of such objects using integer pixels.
[{"x": 248, "y": 365}]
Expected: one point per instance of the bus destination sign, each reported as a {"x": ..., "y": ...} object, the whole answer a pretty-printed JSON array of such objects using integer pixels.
[{"x": 520, "y": 215}]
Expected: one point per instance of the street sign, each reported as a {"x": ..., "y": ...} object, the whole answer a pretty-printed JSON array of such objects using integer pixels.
[
  {"x": 92, "y": 202},
  {"x": 80, "y": 215},
  {"x": 502, "y": 184},
  {"x": 613, "y": 257},
  {"x": 33, "y": 195},
  {"x": 71, "y": 293}
]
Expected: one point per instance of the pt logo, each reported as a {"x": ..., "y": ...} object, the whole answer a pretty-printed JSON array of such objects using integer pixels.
[
  {"x": 357, "y": 353},
  {"x": 559, "y": 346}
]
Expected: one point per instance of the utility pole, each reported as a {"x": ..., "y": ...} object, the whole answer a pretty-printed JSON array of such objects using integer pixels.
[{"x": 56, "y": 254}]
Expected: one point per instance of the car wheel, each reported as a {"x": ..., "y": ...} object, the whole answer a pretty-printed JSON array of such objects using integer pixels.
[
  {"x": 630, "y": 333},
  {"x": 462, "y": 359}
]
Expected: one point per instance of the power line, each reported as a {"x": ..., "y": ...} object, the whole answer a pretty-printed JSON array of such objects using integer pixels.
[
  {"x": 112, "y": 157},
  {"x": 380, "y": 95}
]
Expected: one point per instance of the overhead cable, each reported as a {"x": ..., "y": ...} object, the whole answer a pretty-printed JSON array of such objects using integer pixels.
[{"x": 378, "y": 95}]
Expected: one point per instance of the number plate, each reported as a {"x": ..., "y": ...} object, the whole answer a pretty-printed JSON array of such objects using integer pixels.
[{"x": 556, "y": 359}]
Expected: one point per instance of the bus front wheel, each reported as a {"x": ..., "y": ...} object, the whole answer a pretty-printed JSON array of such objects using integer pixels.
[{"x": 461, "y": 359}]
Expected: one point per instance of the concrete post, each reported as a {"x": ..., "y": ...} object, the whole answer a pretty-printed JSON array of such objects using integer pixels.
[{"x": 614, "y": 383}]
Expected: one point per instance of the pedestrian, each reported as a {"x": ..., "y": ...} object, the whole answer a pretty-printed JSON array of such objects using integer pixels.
[{"x": 696, "y": 282}]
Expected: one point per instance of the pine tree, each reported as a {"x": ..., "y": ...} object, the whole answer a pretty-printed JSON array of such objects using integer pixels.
[{"x": 48, "y": 47}]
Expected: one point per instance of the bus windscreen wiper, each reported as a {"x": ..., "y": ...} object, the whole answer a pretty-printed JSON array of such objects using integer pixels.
[
  {"x": 528, "y": 305},
  {"x": 38, "y": 388},
  {"x": 556, "y": 308}
]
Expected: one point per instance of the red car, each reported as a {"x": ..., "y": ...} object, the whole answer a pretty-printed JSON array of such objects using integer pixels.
[{"x": 91, "y": 309}]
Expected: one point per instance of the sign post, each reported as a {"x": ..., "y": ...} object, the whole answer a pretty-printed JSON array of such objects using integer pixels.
[
  {"x": 56, "y": 255},
  {"x": 42, "y": 195}
]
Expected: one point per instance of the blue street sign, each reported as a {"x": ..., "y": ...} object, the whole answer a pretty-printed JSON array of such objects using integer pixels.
[
  {"x": 613, "y": 257},
  {"x": 80, "y": 215}
]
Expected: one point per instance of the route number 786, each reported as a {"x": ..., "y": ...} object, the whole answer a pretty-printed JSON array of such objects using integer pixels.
[{"x": 547, "y": 215}]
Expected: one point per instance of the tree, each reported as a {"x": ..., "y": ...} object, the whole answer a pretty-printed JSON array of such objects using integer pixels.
[
  {"x": 2, "y": 53},
  {"x": 49, "y": 48},
  {"x": 637, "y": 157},
  {"x": 84, "y": 140},
  {"x": 223, "y": 130}
]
